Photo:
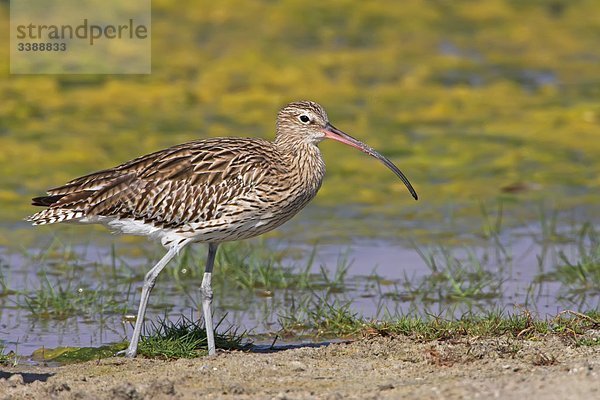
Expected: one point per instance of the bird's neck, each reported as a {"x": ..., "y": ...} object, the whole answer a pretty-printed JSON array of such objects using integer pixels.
[{"x": 304, "y": 161}]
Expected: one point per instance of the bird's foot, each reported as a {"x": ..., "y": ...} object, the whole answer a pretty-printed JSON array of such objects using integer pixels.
[
  {"x": 126, "y": 353},
  {"x": 212, "y": 354}
]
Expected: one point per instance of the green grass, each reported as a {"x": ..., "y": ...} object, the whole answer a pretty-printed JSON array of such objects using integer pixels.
[
  {"x": 187, "y": 339},
  {"x": 4, "y": 281},
  {"x": 59, "y": 300},
  {"x": 581, "y": 275},
  {"x": 323, "y": 319},
  {"x": 165, "y": 339},
  {"x": 336, "y": 320},
  {"x": 316, "y": 316},
  {"x": 254, "y": 267},
  {"x": 578, "y": 273},
  {"x": 584, "y": 273},
  {"x": 184, "y": 338},
  {"x": 7, "y": 358},
  {"x": 456, "y": 278},
  {"x": 522, "y": 325}
]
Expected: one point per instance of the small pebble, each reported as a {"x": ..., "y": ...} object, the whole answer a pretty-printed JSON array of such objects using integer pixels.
[
  {"x": 298, "y": 366},
  {"x": 16, "y": 380},
  {"x": 386, "y": 386}
]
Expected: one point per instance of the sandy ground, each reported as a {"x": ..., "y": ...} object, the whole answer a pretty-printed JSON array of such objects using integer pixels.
[{"x": 377, "y": 368}]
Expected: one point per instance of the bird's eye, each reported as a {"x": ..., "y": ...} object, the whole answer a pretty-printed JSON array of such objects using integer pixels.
[{"x": 304, "y": 119}]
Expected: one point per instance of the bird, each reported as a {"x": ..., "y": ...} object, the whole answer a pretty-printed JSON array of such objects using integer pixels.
[{"x": 210, "y": 190}]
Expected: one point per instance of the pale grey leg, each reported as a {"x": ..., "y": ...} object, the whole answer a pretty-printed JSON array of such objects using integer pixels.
[
  {"x": 149, "y": 282},
  {"x": 207, "y": 296}
]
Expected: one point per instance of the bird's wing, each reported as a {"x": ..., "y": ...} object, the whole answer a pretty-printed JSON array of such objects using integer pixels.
[
  {"x": 198, "y": 181},
  {"x": 100, "y": 179}
]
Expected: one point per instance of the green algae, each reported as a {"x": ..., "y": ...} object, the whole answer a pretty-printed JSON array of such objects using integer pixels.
[
  {"x": 475, "y": 101},
  {"x": 67, "y": 355}
]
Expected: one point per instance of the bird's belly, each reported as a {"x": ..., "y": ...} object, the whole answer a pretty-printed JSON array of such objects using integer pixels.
[
  {"x": 236, "y": 222},
  {"x": 242, "y": 221},
  {"x": 229, "y": 229}
]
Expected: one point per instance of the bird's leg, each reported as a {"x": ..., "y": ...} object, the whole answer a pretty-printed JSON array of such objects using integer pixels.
[
  {"x": 149, "y": 282},
  {"x": 207, "y": 296}
]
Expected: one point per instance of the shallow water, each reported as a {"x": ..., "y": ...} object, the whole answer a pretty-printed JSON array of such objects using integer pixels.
[{"x": 378, "y": 278}]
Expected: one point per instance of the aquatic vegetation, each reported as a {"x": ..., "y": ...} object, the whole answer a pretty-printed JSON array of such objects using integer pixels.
[
  {"x": 312, "y": 315},
  {"x": 579, "y": 275},
  {"x": 59, "y": 301},
  {"x": 573, "y": 325},
  {"x": 453, "y": 279},
  {"x": 7, "y": 357},
  {"x": 457, "y": 278},
  {"x": 520, "y": 325},
  {"x": 479, "y": 102},
  {"x": 255, "y": 267},
  {"x": 4, "y": 282},
  {"x": 67, "y": 355},
  {"x": 184, "y": 338}
]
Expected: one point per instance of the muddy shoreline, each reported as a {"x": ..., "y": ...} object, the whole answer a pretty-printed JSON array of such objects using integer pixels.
[{"x": 386, "y": 368}]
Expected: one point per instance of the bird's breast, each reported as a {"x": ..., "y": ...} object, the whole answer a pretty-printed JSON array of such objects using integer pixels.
[{"x": 266, "y": 204}]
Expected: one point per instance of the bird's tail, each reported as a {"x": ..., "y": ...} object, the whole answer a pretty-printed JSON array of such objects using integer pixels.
[
  {"x": 61, "y": 207},
  {"x": 54, "y": 215}
]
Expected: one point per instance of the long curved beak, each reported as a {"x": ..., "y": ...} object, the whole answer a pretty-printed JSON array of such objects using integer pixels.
[{"x": 332, "y": 132}]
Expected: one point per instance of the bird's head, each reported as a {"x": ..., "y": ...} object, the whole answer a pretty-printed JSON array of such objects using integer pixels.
[
  {"x": 306, "y": 122},
  {"x": 302, "y": 121}
]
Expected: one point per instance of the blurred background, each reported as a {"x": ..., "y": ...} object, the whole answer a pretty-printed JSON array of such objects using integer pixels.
[{"x": 491, "y": 108}]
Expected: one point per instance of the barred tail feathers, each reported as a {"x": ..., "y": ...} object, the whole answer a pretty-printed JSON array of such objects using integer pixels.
[
  {"x": 54, "y": 215},
  {"x": 61, "y": 207}
]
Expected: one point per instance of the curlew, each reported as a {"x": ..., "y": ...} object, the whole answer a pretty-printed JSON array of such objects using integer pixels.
[{"x": 207, "y": 191}]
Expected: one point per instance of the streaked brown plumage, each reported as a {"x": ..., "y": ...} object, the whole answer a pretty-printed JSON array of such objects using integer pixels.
[
  {"x": 202, "y": 189},
  {"x": 209, "y": 190}
]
